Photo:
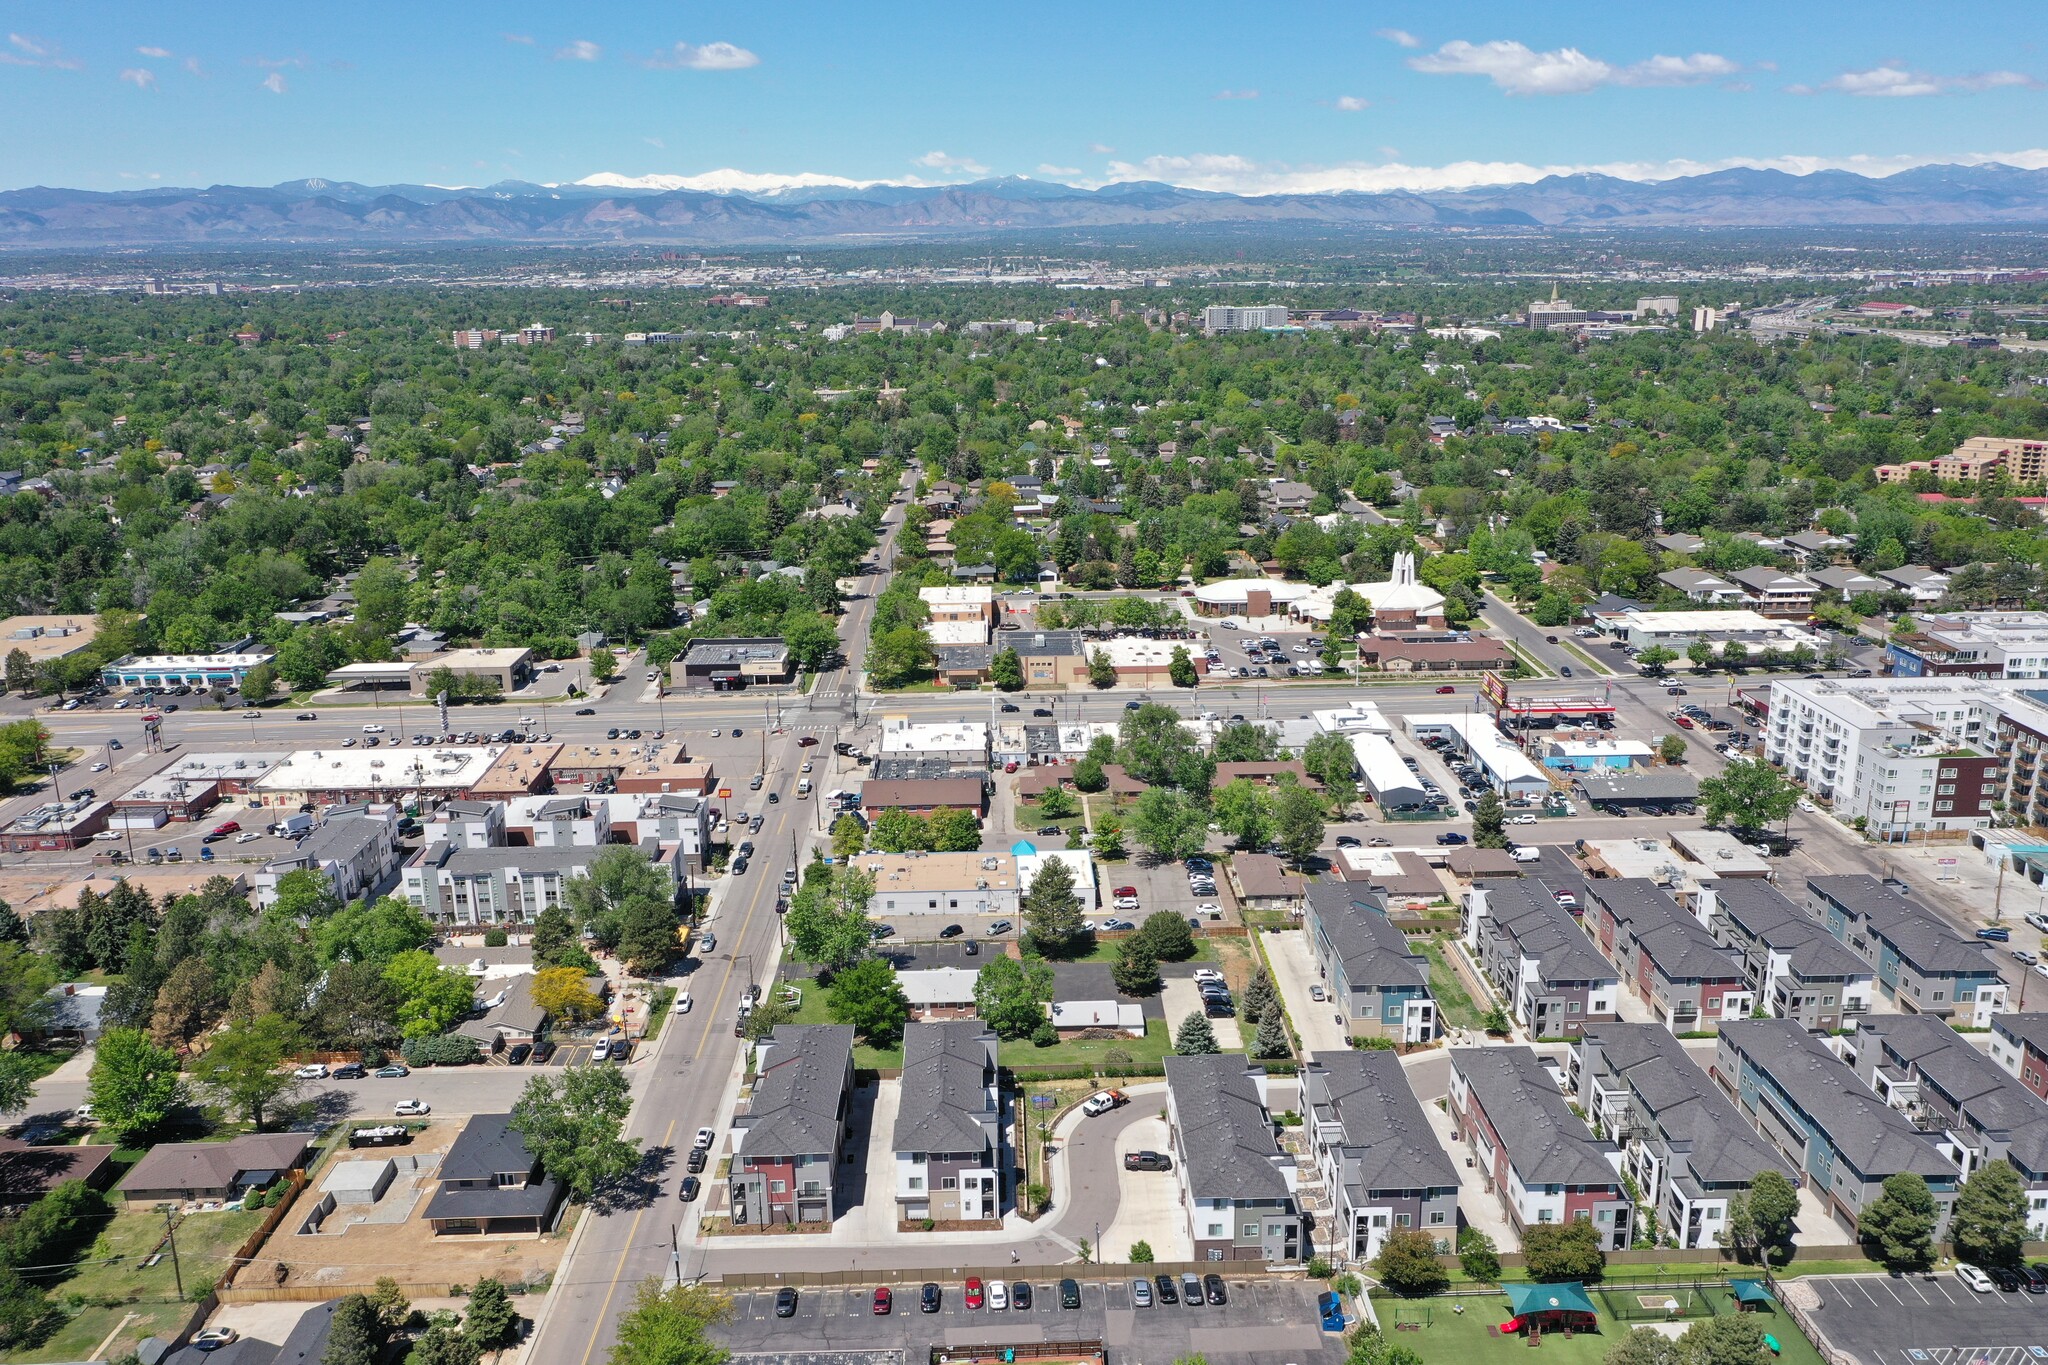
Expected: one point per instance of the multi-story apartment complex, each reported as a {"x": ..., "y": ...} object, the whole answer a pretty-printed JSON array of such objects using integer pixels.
[
  {"x": 787, "y": 1142},
  {"x": 354, "y": 849},
  {"x": 1682, "y": 1142},
  {"x": 503, "y": 885},
  {"x": 1841, "y": 1137},
  {"x": 1978, "y": 1112},
  {"x": 1550, "y": 977},
  {"x": 1377, "y": 982},
  {"x": 1379, "y": 1159},
  {"x": 1542, "y": 1160},
  {"x": 2019, "y": 740},
  {"x": 1902, "y": 755},
  {"x": 1238, "y": 1186},
  {"x": 1795, "y": 968},
  {"x": 1979, "y": 458},
  {"x": 2006, "y": 645},
  {"x": 1673, "y": 963},
  {"x": 1225, "y": 318},
  {"x": 948, "y": 1138},
  {"x": 1923, "y": 966}
]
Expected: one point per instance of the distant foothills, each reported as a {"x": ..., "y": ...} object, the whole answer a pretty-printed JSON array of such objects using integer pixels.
[{"x": 609, "y": 209}]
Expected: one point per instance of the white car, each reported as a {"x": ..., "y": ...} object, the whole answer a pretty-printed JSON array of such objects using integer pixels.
[
  {"x": 373, "y": 729},
  {"x": 998, "y": 1296},
  {"x": 682, "y": 1002},
  {"x": 247, "y": 836},
  {"x": 1208, "y": 908},
  {"x": 1126, "y": 903},
  {"x": 1521, "y": 819},
  {"x": 312, "y": 1071},
  {"x": 1807, "y": 806},
  {"x": 412, "y": 1108},
  {"x": 99, "y": 767},
  {"x": 110, "y": 835},
  {"x": 213, "y": 1338},
  {"x": 1974, "y": 1277},
  {"x": 706, "y": 1136}
]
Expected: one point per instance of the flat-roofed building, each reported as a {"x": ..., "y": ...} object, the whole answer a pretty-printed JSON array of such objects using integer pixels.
[
  {"x": 940, "y": 883},
  {"x": 44, "y": 638},
  {"x": 504, "y": 885},
  {"x": 734, "y": 664},
  {"x": 181, "y": 670},
  {"x": 510, "y": 669},
  {"x": 1680, "y": 629},
  {"x": 1505, "y": 767},
  {"x": 56, "y": 825},
  {"x": 955, "y": 741},
  {"x": 192, "y": 784}
]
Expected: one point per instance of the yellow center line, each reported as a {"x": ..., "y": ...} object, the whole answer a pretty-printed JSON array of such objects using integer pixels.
[{"x": 619, "y": 1271}]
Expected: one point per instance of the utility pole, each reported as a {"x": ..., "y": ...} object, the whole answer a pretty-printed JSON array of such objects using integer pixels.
[{"x": 171, "y": 1234}]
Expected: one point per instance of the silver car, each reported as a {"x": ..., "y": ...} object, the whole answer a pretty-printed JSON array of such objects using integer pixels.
[{"x": 1141, "y": 1293}]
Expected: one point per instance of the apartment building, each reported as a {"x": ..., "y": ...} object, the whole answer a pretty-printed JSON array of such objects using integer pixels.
[
  {"x": 1842, "y": 1138},
  {"x": 1540, "y": 1158},
  {"x": 948, "y": 1139},
  {"x": 1237, "y": 1185},
  {"x": 2019, "y": 1043},
  {"x": 1376, "y": 981},
  {"x": 922, "y": 796},
  {"x": 1775, "y": 593},
  {"x": 941, "y": 883},
  {"x": 2023, "y": 461},
  {"x": 1672, "y": 962},
  {"x": 353, "y": 849},
  {"x": 1220, "y": 318},
  {"x": 1682, "y": 1142},
  {"x": 504, "y": 885},
  {"x": 1550, "y": 977},
  {"x": 786, "y": 1144},
  {"x": 2019, "y": 739},
  {"x": 1378, "y": 1156},
  {"x": 968, "y": 603},
  {"x": 1793, "y": 966},
  {"x": 1904, "y": 755},
  {"x": 1979, "y": 1112},
  {"x": 1923, "y": 966},
  {"x": 2006, "y": 645}
]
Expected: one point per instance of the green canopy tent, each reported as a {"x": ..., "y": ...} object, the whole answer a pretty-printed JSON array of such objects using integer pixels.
[
  {"x": 1751, "y": 1296},
  {"x": 1550, "y": 1307}
]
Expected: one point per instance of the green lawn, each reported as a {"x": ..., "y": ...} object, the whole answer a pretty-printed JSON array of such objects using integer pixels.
[
  {"x": 812, "y": 1010},
  {"x": 115, "y": 1274},
  {"x": 1147, "y": 1052},
  {"x": 1452, "y": 999},
  {"x": 1468, "y": 1338}
]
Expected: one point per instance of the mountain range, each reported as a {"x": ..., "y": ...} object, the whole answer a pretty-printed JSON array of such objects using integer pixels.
[{"x": 613, "y": 209}]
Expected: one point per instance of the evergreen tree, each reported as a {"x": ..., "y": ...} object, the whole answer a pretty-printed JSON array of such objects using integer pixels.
[
  {"x": 492, "y": 1321},
  {"x": 355, "y": 1334},
  {"x": 1899, "y": 1223},
  {"x": 1136, "y": 971},
  {"x": 1270, "y": 1042},
  {"x": 1258, "y": 997},
  {"x": 1489, "y": 822},
  {"x": 1006, "y": 670},
  {"x": 1194, "y": 1037},
  {"x": 1052, "y": 912}
]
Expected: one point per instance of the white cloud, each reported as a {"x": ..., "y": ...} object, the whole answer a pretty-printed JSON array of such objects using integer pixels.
[
  {"x": 192, "y": 65},
  {"x": 523, "y": 39},
  {"x": 142, "y": 78},
  {"x": 1101, "y": 149},
  {"x": 1892, "y": 81},
  {"x": 707, "y": 57},
  {"x": 277, "y": 63},
  {"x": 941, "y": 161},
  {"x": 1399, "y": 37},
  {"x": 1235, "y": 95},
  {"x": 1351, "y": 104},
  {"x": 655, "y": 142},
  {"x": 1520, "y": 70},
  {"x": 158, "y": 52},
  {"x": 28, "y": 47},
  {"x": 582, "y": 50},
  {"x": 275, "y": 83},
  {"x": 30, "y": 51},
  {"x": 1057, "y": 172},
  {"x": 726, "y": 181}
]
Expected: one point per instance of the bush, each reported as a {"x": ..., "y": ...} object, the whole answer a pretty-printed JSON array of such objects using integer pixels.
[
  {"x": 446, "y": 1049},
  {"x": 1477, "y": 1256},
  {"x": 1347, "y": 1285},
  {"x": 494, "y": 938},
  {"x": 1141, "y": 1253},
  {"x": 1045, "y": 1035},
  {"x": 1318, "y": 1268}
]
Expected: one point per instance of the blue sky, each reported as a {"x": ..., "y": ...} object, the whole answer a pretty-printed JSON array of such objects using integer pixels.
[{"x": 1257, "y": 98}]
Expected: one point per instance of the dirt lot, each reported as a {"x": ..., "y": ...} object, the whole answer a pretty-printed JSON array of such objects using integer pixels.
[{"x": 404, "y": 1248}]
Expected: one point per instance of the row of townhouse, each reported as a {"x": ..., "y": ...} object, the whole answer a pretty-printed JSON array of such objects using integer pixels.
[
  {"x": 1238, "y": 1187},
  {"x": 1670, "y": 960},
  {"x": 1792, "y": 965},
  {"x": 2019, "y": 1043},
  {"x": 1687, "y": 1149},
  {"x": 1378, "y": 983},
  {"x": 1975, "y": 1110},
  {"x": 1550, "y": 978},
  {"x": 1378, "y": 1157},
  {"x": 1921, "y": 963},
  {"x": 1833, "y": 1129},
  {"x": 1782, "y": 594},
  {"x": 1541, "y": 1160},
  {"x": 792, "y": 1142}
]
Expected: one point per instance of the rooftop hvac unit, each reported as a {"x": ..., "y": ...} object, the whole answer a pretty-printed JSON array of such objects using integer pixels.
[{"x": 981, "y": 884}]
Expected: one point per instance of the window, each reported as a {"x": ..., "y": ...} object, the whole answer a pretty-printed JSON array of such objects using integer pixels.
[
  {"x": 778, "y": 1187},
  {"x": 917, "y": 1182},
  {"x": 1436, "y": 1217},
  {"x": 1572, "y": 1008},
  {"x": 949, "y": 1182},
  {"x": 1947, "y": 789},
  {"x": 1215, "y": 1230},
  {"x": 1545, "y": 1215},
  {"x": 1251, "y": 1229}
]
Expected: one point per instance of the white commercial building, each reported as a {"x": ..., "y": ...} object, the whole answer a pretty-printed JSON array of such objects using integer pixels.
[
  {"x": 1903, "y": 754},
  {"x": 1678, "y": 629},
  {"x": 1361, "y": 717},
  {"x": 1224, "y": 317},
  {"x": 1506, "y": 767},
  {"x": 1386, "y": 776},
  {"x": 1029, "y": 865},
  {"x": 940, "y": 883},
  {"x": 954, "y": 741}
]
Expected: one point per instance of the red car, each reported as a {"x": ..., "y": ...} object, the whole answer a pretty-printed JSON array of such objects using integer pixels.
[
  {"x": 1126, "y": 891},
  {"x": 1446, "y": 690},
  {"x": 1684, "y": 722},
  {"x": 973, "y": 1291},
  {"x": 808, "y": 741},
  {"x": 228, "y": 827},
  {"x": 884, "y": 1301}
]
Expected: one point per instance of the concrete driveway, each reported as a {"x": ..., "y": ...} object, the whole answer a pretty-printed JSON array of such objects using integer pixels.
[
  {"x": 1480, "y": 1206},
  {"x": 1294, "y": 970},
  {"x": 1180, "y": 998},
  {"x": 1149, "y": 1205}
]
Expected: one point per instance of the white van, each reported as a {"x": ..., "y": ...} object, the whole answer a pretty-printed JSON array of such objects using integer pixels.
[
  {"x": 803, "y": 789},
  {"x": 1525, "y": 854}
]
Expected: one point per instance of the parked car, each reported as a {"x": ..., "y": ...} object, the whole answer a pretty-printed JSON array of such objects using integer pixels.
[
  {"x": 1147, "y": 1161},
  {"x": 1141, "y": 1293},
  {"x": 975, "y": 1296},
  {"x": 1165, "y": 1288},
  {"x": 1102, "y": 1101},
  {"x": 312, "y": 1071},
  {"x": 213, "y": 1338},
  {"x": 1020, "y": 1295},
  {"x": 395, "y": 1071},
  {"x": 348, "y": 1071},
  {"x": 1191, "y": 1289},
  {"x": 1212, "y": 1285},
  {"x": 929, "y": 1298},
  {"x": 1070, "y": 1294},
  {"x": 785, "y": 1302},
  {"x": 1001, "y": 926},
  {"x": 688, "y": 1190},
  {"x": 883, "y": 1302},
  {"x": 1315, "y": 992},
  {"x": 998, "y": 1296},
  {"x": 1451, "y": 836},
  {"x": 406, "y": 1109},
  {"x": 1974, "y": 1278},
  {"x": 698, "y": 1159}
]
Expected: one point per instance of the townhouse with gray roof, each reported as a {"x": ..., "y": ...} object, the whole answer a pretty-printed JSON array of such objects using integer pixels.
[
  {"x": 1549, "y": 976},
  {"x": 1237, "y": 1185},
  {"x": 1378, "y": 1156},
  {"x": 1796, "y": 969},
  {"x": 948, "y": 1138},
  {"x": 1668, "y": 958},
  {"x": 2019, "y": 1044},
  {"x": 1542, "y": 1160},
  {"x": 1378, "y": 983},
  {"x": 1699, "y": 585},
  {"x": 1923, "y": 964},
  {"x": 1843, "y": 1139},
  {"x": 1682, "y": 1142},
  {"x": 1978, "y": 1112},
  {"x": 786, "y": 1144}
]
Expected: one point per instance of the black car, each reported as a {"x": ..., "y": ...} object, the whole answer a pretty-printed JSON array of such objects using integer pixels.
[
  {"x": 1009, "y": 706},
  {"x": 1451, "y": 837},
  {"x": 612, "y": 733},
  {"x": 1212, "y": 1285},
  {"x": 1020, "y": 1295},
  {"x": 928, "y": 1298},
  {"x": 1163, "y": 1288},
  {"x": 774, "y": 798},
  {"x": 1042, "y": 712},
  {"x": 542, "y": 1050},
  {"x": 347, "y": 1071},
  {"x": 2005, "y": 1279},
  {"x": 698, "y": 1156},
  {"x": 518, "y": 1054},
  {"x": 785, "y": 1302},
  {"x": 2036, "y": 1279},
  {"x": 951, "y": 931},
  {"x": 973, "y": 948},
  {"x": 586, "y": 710},
  {"x": 1070, "y": 1294},
  {"x": 1051, "y": 829},
  {"x": 739, "y": 865},
  {"x": 687, "y": 1191}
]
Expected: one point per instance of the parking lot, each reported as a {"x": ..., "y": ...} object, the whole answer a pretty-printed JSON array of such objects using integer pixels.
[
  {"x": 1264, "y": 1323},
  {"x": 1233, "y": 645},
  {"x": 1930, "y": 1320}
]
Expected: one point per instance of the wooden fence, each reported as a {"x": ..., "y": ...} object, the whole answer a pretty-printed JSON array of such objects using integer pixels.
[{"x": 246, "y": 1252}]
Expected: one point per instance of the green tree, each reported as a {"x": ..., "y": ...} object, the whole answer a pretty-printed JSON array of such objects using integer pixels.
[
  {"x": 1057, "y": 803},
  {"x": 901, "y": 656},
  {"x": 371, "y": 934},
  {"x": 1180, "y": 669},
  {"x": 1773, "y": 1204},
  {"x": 647, "y": 936},
  {"x": 1737, "y": 1339},
  {"x": 849, "y": 836},
  {"x": 576, "y": 1125},
  {"x": 1153, "y": 745},
  {"x": 564, "y": 992},
  {"x": 1244, "y": 810},
  {"x": 1259, "y": 995},
  {"x": 1270, "y": 1042},
  {"x": 1654, "y": 660},
  {"x": 1101, "y": 672},
  {"x": 1646, "y": 1346},
  {"x": 1167, "y": 936},
  {"x": 1701, "y": 654},
  {"x": 134, "y": 1085},
  {"x": 355, "y": 1334},
  {"x": 1407, "y": 1264},
  {"x": 901, "y": 831},
  {"x": 1747, "y": 794},
  {"x": 619, "y": 875},
  {"x": 827, "y": 921},
  {"x": 492, "y": 1322},
  {"x": 1671, "y": 748},
  {"x": 868, "y": 997},
  {"x": 393, "y": 1307},
  {"x": 432, "y": 999},
  {"x": 1478, "y": 1257},
  {"x": 1489, "y": 821},
  {"x": 1006, "y": 670},
  {"x": 1108, "y": 839},
  {"x": 1135, "y": 971},
  {"x": 245, "y": 1068},
  {"x": 1330, "y": 760},
  {"x": 667, "y": 1326},
  {"x": 954, "y": 830},
  {"x": 1090, "y": 774},
  {"x": 1011, "y": 997},
  {"x": 1989, "y": 1224},
  {"x": 1195, "y": 1037},
  {"x": 1244, "y": 742},
  {"x": 604, "y": 665},
  {"x": 1168, "y": 824},
  {"x": 258, "y": 683},
  {"x": 554, "y": 936},
  {"x": 444, "y": 1344},
  {"x": 1052, "y": 912},
  {"x": 812, "y": 642},
  {"x": 1557, "y": 1252},
  {"x": 1140, "y": 1254}
]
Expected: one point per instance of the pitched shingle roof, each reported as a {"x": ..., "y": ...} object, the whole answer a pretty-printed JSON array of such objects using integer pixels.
[
  {"x": 945, "y": 1087},
  {"x": 1226, "y": 1136},
  {"x": 1545, "y": 1141},
  {"x": 797, "y": 1099},
  {"x": 1386, "y": 1135}
]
